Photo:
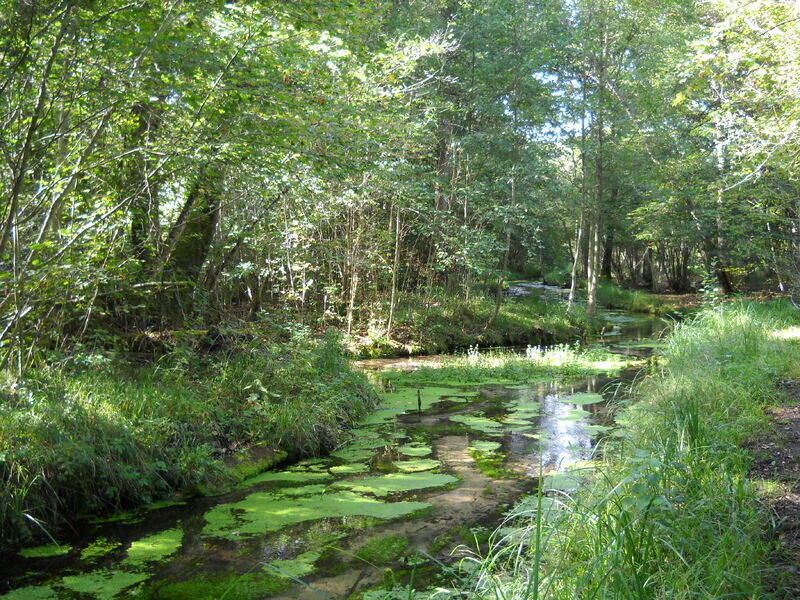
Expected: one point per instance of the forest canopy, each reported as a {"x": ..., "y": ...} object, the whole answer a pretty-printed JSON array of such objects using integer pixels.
[{"x": 181, "y": 164}]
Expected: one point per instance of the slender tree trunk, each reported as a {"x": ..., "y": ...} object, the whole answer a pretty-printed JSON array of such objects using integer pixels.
[
  {"x": 573, "y": 286},
  {"x": 593, "y": 264},
  {"x": 395, "y": 267}
]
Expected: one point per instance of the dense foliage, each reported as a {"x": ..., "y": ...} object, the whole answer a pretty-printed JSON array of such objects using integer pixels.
[{"x": 169, "y": 165}]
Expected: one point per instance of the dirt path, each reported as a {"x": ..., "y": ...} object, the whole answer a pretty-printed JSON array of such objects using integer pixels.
[{"x": 777, "y": 458}]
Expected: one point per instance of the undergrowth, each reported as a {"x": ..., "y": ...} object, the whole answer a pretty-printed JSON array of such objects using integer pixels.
[
  {"x": 611, "y": 295},
  {"x": 93, "y": 434},
  {"x": 427, "y": 327},
  {"x": 669, "y": 512}
]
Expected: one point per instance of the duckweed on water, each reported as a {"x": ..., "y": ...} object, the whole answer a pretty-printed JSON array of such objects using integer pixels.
[
  {"x": 154, "y": 548},
  {"x": 584, "y": 398},
  {"x": 47, "y": 551},
  {"x": 285, "y": 476},
  {"x": 164, "y": 504},
  {"x": 44, "y": 592},
  {"x": 102, "y": 584},
  {"x": 301, "y": 566},
  {"x": 482, "y": 424},
  {"x": 353, "y": 468},
  {"x": 99, "y": 547},
  {"x": 251, "y": 586},
  {"x": 393, "y": 483},
  {"x": 306, "y": 490},
  {"x": 383, "y": 550},
  {"x": 354, "y": 455},
  {"x": 262, "y": 512},
  {"x": 576, "y": 414},
  {"x": 415, "y": 450},
  {"x": 491, "y": 463},
  {"x": 597, "y": 429},
  {"x": 412, "y": 466},
  {"x": 406, "y": 400},
  {"x": 485, "y": 446}
]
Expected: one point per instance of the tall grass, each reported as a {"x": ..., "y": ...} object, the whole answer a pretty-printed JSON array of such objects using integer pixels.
[
  {"x": 670, "y": 512},
  {"x": 98, "y": 437}
]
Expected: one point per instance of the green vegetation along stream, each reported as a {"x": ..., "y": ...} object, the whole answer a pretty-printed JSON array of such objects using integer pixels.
[{"x": 410, "y": 480}]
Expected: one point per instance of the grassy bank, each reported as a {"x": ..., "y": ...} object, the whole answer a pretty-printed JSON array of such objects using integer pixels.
[
  {"x": 93, "y": 435},
  {"x": 611, "y": 295},
  {"x": 668, "y": 510},
  {"x": 429, "y": 327},
  {"x": 502, "y": 366},
  {"x": 670, "y": 513}
]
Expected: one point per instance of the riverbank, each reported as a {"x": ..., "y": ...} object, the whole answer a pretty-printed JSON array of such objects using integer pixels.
[
  {"x": 199, "y": 411},
  {"x": 422, "y": 326},
  {"x": 670, "y": 509},
  {"x": 433, "y": 463},
  {"x": 189, "y": 423}
]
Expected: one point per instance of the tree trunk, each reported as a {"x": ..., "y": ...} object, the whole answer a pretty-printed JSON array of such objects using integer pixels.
[
  {"x": 193, "y": 234},
  {"x": 395, "y": 267}
]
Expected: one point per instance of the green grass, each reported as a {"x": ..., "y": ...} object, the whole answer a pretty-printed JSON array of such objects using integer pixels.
[
  {"x": 425, "y": 327},
  {"x": 669, "y": 512},
  {"x": 503, "y": 366},
  {"x": 133, "y": 434},
  {"x": 611, "y": 295}
]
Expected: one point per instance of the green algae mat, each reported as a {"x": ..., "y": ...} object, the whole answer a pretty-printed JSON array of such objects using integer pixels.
[{"x": 263, "y": 512}]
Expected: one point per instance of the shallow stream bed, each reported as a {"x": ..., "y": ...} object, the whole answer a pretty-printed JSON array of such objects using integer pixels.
[{"x": 413, "y": 484}]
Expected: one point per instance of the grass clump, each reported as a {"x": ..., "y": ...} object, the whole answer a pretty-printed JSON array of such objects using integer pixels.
[
  {"x": 669, "y": 512},
  {"x": 132, "y": 433}
]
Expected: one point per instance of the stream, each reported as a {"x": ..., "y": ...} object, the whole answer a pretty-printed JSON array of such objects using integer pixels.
[{"x": 408, "y": 482}]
